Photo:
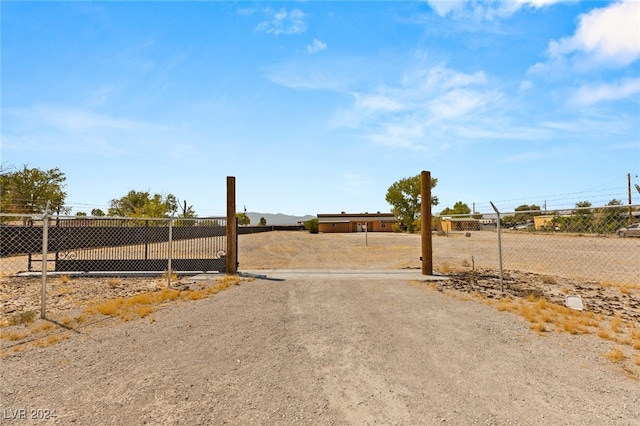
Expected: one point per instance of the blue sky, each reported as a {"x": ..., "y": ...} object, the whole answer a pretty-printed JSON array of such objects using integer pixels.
[{"x": 318, "y": 107}]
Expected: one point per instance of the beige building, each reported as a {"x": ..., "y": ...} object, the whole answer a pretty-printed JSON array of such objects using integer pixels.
[
  {"x": 356, "y": 222},
  {"x": 462, "y": 224}
]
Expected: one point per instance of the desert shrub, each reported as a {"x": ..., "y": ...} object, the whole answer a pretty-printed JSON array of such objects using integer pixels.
[
  {"x": 312, "y": 225},
  {"x": 616, "y": 355},
  {"x": 26, "y": 317}
]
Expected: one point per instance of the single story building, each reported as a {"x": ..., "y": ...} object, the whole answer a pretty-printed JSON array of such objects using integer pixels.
[
  {"x": 459, "y": 224},
  {"x": 356, "y": 222},
  {"x": 543, "y": 221}
]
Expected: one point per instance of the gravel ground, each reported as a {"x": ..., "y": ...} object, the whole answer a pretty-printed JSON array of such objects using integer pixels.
[{"x": 323, "y": 349}]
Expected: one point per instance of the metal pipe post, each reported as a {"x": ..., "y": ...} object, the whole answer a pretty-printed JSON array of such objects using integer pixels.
[
  {"x": 45, "y": 253},
  {"x": 499, "y": 247},
  {"x": 170, "y": 250}
]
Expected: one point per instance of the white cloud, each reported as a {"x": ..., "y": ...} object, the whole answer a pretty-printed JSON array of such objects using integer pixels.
[
  {"x": 486, "y": 10},
  {"x": 425, "y": 108},
  {"x": 457, "y": 103},
  {"x": 608, "y": 34},
  {"x": 316, "y": 73},
  {"x": 377, "y": 102},
  {"x": 246, "y": 11},
  {"x": 537, "y": 4},
  {"x": 74, "y": 120},
  {"x": 443, "y": 8},
  {"x": 54, "y": 128},
  {"x": 525, "y": 86},
  {"x": 283, "y": 22},
  {"x": 316, "y": 46},
  {"x": 588, "y": 95}
]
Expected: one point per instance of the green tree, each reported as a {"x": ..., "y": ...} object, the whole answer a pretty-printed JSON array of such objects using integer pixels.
[
  {"x": 243, "y": 219},
  {"x": 528, "y": 212},
  {"x": 81, "y": 214},
  {"x": 186, "y": 211},
  {"x": 97, "y": 212},
  {"x": 581, "y": 219},
  {"x": 610, "y": 218},
  {"x": 263, "y": 221},
  {"x": 186, "y": 215},
  {"x": 404, "y": 197},
  {"x": 459, "y": 208},
  {"x": 142, "y": 204},
  {"x": 30, "y": 189}
]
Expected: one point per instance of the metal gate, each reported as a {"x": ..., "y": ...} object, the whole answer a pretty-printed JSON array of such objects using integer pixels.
[{"x": 122, "y": 244}]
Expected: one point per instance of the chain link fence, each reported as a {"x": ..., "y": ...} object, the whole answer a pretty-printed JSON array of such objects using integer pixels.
[
  {"x": 589, "y": 243},
  {"x": 77, "y": 249},
  {"x": 72, "y": 244}
]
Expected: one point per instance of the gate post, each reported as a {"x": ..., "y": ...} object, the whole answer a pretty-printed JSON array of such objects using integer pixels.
[
  {"x": 425, "y": 225},
  {"x": 232, "y": 231}
]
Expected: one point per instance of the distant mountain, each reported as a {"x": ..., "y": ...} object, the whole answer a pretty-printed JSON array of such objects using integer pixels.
[{"x": 277, "y": 219}]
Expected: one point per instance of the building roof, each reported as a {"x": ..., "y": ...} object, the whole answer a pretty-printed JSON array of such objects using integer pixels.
[{"x": 354, "y": 217}]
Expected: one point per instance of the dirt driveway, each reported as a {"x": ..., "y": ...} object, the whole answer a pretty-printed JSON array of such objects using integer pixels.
[{"x": 322, "y": 349}]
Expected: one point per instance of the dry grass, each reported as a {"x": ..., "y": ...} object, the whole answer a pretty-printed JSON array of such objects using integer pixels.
[
  {"x": 143, "y": 304},
  {"x": 615, "y": 355},
  {"x": 539, "y": 327},
  {"x": 25, "y": 318},
  {"x": 547, "y": 279},
  {"x": 42, "y": 326},
  {"x": 144, "y": 311},
  {"x": 15, "y": 335},
  {"x": 43, "y": 342},
  {"x": 172, "y": 278},
  {"x": 624, "y": 287},
  {"x": 77, "y": 320},
  {"x": 603, "y": 333},
  {"x": 545, "y": 316},
  {"x": 634, "y": 334},
  {"x": 140, "y": 305},
  {"x": 615, "y": 324}
]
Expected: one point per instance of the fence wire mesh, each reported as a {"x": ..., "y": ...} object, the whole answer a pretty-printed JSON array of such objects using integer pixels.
[
  {"x": 101, "y": 244},
  {"x": 601, "y": 244}
]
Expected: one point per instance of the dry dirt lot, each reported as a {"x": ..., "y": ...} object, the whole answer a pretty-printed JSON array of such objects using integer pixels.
[{"x": 325, "y": 349}]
